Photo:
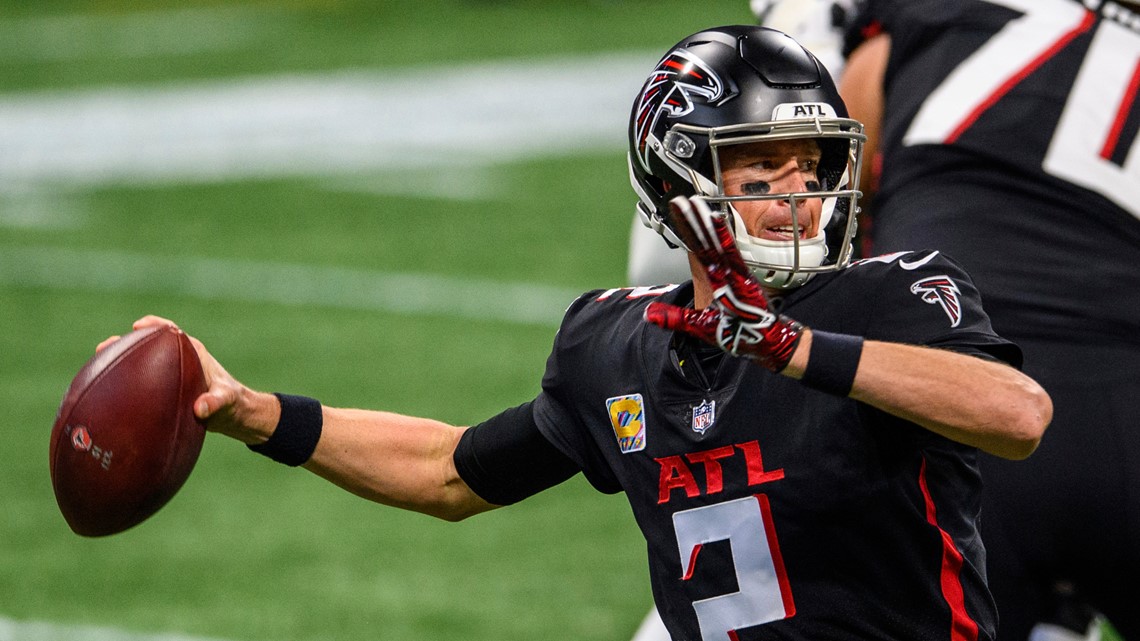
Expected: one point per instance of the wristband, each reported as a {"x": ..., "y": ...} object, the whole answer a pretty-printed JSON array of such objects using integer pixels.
[
  {"x": 297, "y": 431},
  {"x": 832, "y": 362}
]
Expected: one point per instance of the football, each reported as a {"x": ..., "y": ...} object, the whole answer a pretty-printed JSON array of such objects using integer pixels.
[{"x": 125, "y": 438}]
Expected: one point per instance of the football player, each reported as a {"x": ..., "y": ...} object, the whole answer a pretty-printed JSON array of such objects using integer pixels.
[
  {"x": 797, "y": 435},
  {"x": 820, "y": 26},
  {"x": 1009, "y": 140}
]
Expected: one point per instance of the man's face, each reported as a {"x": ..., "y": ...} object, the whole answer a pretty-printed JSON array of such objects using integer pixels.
[{"x": 774, "y": 167}]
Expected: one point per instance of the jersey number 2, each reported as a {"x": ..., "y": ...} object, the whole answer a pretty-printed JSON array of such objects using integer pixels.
[
  {"x": 764, "y": 594},
  {"x": 1084, "y": 142}
]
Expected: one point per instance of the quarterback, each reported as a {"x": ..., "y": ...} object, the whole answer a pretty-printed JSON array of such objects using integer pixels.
[{"x": 796, "y": 434}]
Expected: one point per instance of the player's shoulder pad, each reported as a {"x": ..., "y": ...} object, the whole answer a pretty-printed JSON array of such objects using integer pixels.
[
  {"x": 919, "y": 272},
  {"x": 620, "y": 297},
  {"x": 643, "y": 294},
  {"x": 613, "y": 304},
  {"x": 921, "y": 261},
  {"x": 608, "y": 317},
  {"x": 928, "y": 276}
]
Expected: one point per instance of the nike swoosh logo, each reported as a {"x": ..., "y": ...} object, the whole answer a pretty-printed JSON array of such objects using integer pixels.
[{"x": 912, "y": 265}]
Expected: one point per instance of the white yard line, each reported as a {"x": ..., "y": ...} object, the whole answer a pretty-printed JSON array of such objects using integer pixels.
[
  {"x": 13, "y": 630},
  {"x": 136, "y": 34},
  {"x": 342, "y": 123},
  {"x": 343, "y": 127},
  {"x": 285, "y": 284}
]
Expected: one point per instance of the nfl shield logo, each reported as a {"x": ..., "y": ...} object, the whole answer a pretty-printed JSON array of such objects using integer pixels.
[{"x": 703, "y": 416}]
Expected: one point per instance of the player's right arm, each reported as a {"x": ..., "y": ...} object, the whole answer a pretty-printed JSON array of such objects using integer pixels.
[{"x": 402, "y": 461}]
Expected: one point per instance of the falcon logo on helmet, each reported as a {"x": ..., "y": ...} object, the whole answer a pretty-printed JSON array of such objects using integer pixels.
[
  {"x": 669, "y": 90},
  {"x": 940, "y": 290}
]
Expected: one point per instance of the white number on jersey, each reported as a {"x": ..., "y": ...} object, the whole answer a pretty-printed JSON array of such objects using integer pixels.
[
  {"x": 764, "y": 593},
  {"x": 1101, "y": 95}
]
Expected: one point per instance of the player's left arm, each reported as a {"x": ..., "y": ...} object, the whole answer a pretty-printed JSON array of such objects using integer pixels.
[{"x": 986, "y": 404}]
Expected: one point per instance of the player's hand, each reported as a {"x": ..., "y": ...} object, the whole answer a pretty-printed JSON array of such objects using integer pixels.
[
  {"x": 739, "y": 320},
  {"x": 223, "y": 391},
  {"x": 227, "y": 406}
]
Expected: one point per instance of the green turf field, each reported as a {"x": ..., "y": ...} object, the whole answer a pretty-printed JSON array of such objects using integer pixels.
[
  {"x": 249, "y": 549},
  {"x": 282, "y": 271}
]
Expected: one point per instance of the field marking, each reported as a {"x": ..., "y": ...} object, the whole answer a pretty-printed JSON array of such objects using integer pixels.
[
  {"x": 458, "y": 184},
  {"x": 138, "y": 34},
  {"x": 13, "y": 630},
  {"x": 32, "y": 209},
  {"x": 284, "y": 284},
  {"x": 330, "y": 124}
]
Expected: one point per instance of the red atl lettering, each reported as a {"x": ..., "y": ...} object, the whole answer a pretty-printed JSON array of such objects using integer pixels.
[
  {"x": 714, "y": 478},
  {"x": 756, "y": 473},
  {"x": 676, "y": 474}
]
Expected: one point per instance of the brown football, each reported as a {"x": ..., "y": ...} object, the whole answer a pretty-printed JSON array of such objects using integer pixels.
[{"x": 126, "y": 438}]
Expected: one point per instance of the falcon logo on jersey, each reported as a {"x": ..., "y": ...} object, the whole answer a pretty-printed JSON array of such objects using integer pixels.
[
  {"x": 940, "y": 290},
  {"x": 703, "y": 416},
  {"x": 670, "y": 90},
  {"x": 627, "y": 416}
]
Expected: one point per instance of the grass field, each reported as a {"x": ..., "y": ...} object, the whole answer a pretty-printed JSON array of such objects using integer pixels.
[
  {"x": 93, "y": 236},
  {"x": 264, "y": 172}
]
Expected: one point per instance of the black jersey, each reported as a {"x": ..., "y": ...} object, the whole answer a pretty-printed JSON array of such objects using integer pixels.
[
  {"x": 770, "y": 510},
  {"x": 1010, "y": 142}
]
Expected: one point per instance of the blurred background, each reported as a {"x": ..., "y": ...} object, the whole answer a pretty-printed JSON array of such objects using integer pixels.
[{"x": 383, "y": 204}]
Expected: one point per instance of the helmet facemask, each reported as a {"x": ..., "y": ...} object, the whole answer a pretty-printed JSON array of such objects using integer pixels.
[{"x": 782, "y": 264}]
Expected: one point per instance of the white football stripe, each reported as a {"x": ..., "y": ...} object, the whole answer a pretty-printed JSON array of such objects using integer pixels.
[
  {"x": 135, "y": 34},
  {"x": 12, "y": 630},
  {"x": 319, "y": 124},
  {"x": 284, "y": 283}
]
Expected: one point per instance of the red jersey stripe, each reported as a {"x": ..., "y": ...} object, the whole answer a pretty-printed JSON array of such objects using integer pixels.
[
  {"x": 1121, "y": 115},
  {"x": 962, "y": 626},
  {"x": 1084, "y": 26}
]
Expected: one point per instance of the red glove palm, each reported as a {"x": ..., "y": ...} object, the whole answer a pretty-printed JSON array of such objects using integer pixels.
[{"x": 739, "y": 320}]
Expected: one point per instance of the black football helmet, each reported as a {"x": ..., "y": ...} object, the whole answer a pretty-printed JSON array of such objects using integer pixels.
[{"x": 738, "y": 85}]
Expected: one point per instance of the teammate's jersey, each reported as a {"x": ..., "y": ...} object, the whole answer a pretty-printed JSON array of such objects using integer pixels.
[
  {"x": 1010, "y": 142},
  {"x": 770, "y": 510}
]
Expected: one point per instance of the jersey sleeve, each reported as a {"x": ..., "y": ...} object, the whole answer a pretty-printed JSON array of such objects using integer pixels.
[
  {"x": 505, "y": 459},
  {"x": 557, "y": 407},
  {"x": 926, "y": 298}
]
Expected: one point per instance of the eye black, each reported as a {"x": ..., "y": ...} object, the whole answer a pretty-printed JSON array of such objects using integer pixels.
[{"x": 755, "y": 188}]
